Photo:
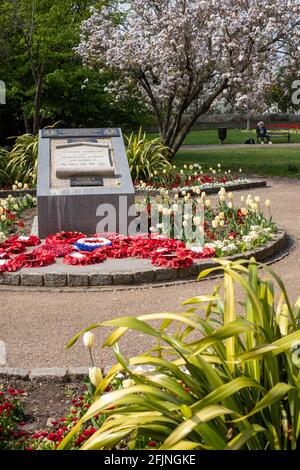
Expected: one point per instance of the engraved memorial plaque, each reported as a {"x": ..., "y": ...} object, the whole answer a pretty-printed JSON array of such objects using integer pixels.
[
  {"x": 82, "y": 172},
  {"x": 83, "y": 159}
]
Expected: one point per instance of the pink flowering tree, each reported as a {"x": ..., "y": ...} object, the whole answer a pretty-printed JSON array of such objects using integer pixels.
[{"x": 185, "y": 54}]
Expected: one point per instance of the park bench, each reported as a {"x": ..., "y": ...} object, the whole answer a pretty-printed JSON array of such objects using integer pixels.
[{"x": 279, "y": 133}]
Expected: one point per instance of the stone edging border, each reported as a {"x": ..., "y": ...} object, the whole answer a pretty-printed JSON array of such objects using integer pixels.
[
  {"x": 56, "y": 374},
  {"x": 151, "y": 276},
  {"x": 4, "y": 193},
  {"x": 234, "y": 187},
  {"x": 59, "y": 374},
  {"x": 213, "y": 190}
]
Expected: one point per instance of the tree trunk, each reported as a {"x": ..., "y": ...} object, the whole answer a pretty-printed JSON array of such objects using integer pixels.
[
  {"x": 178, "y": 131},
  {"x": 27, "y": 125},
  {"x": 248, "y": 119},
  {"x": 37, "y": 105}
]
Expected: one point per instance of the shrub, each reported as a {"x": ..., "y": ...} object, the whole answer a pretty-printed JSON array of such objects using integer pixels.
[
  {"x": 146, "y": 156},
  {"x": 22, "y": 162},
  {"x": 4, "y": 177},
  {"x": 220, "y": 376},
  {"x": 11, "y": 413}
]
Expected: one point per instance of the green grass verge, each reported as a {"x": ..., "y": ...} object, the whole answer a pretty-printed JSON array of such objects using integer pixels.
[
  {"x": 235, "y": 136},
  {"x": 264, "y": 161}
]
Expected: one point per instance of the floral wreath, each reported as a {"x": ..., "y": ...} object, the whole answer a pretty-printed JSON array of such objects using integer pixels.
[
  {"x": 4, "y": 264},
  {"x": 58, "y": 251},
  {"x": 174, "y": 260},
  {"x": 163, "y": 252},
  {"x": 197, "y": 252},
  {"x": 18, "y": 244},
  {"x": 30, "y": 260},
  {"x": 64, "y": 238},
  {"x": 92, "y": 243},
  {"x": 84, "y": 259}
]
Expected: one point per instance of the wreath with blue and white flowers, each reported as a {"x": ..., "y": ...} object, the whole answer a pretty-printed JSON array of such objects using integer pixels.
[{"x": 92, "y": 243}]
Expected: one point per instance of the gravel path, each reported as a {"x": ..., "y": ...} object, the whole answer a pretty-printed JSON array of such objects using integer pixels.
[{"x": 36, "y": 326}]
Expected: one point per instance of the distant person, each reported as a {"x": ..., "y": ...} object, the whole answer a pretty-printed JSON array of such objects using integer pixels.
[{"x": 262, "y": 133}]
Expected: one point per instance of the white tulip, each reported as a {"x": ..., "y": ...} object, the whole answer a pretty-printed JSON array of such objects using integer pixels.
[
  {"x": 128, "y": 383},
  {"x": 95, "y": 376},
  {"x": 268, "y": 203},
  {"x": 197, "y": 221},
  {"x": 89, "y": 340}
]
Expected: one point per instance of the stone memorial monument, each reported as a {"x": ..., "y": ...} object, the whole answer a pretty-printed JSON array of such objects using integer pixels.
[{"x": 84, "y": 182}]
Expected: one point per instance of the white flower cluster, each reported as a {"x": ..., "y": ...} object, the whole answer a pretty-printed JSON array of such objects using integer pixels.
[
  {"x": 231, "y": 46},
  {"x": 255, "y": 233},
  {"x": 231, "y": 246}
]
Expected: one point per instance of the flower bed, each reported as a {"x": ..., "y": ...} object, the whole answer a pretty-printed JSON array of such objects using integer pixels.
[
  {"x": 191, "y": 178},
  {"x": 11, "y": 418},
  {"x": 206, "y": 232},
  {"x": 13, "y": 421},
  {"x": 228, "y": 228},
  {"x": 11, "y": 210}
]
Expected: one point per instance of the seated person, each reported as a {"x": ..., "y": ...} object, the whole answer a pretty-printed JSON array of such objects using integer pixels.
[{"x": 262, "y": 133}]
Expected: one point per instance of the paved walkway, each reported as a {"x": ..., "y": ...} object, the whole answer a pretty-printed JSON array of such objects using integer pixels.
[
  {"x": 236, "y": 146},
  {"x": 36, "y": 326}
]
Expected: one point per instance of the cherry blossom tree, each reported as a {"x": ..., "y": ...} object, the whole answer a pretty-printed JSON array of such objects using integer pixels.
[{"x": 184, "y": 54}]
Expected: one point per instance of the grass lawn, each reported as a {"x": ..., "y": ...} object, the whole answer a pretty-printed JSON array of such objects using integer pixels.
[
  {"x": 264, "y": 161},
  {"x": 235, "y": 136}
]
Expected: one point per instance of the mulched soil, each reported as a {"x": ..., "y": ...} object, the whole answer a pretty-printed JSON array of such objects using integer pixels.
[{"x": 44, "y": 399}]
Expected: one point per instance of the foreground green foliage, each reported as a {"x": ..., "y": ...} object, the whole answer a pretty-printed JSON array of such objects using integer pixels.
[
  {"x": 4, "y": 154},
  {"x": 146, "y": 157},
  {"x": 22, "y": 161},
  {"x": 221, "y": 376}
]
